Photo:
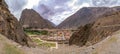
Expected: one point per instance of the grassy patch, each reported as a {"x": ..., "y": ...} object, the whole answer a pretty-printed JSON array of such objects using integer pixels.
[
  {"x": 0, "y": 38},
  {"x": 9, "y": 49},
  {"x": 46, "y": 44},
  {"x": 36, "y": 32},
  {"x": 113, "y": 39},
  {"x": 95, "y": 53},
  {"x": 37, "y": 40},
  {"x": 41, "y": 43}
]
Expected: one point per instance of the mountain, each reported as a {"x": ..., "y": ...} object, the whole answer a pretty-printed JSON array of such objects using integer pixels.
[
  {"x": 86, "y": 15},
  {"x": 31, "y": 19},
  {"x": 10, "y": 27},
  {"x": 96, "y": 31}
]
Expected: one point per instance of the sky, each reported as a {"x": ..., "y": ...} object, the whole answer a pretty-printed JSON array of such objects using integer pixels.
[{"x": 56, "y": 11}]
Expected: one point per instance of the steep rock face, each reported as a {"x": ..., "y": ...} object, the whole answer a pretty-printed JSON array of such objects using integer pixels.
[
  {"x": 10, "y": 27},
  {"x": 85, "y": 16},
  {"x": 98, "y": 30},
  {"x": 31, "y": 19}
]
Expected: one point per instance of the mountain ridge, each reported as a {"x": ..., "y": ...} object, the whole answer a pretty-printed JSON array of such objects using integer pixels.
[{"x": 85, "y": 16}]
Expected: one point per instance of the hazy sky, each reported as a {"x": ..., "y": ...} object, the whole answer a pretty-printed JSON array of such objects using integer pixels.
[{"x": 56, "y": 10}]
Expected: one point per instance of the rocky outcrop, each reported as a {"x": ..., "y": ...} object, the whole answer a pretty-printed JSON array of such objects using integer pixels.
[
  {"x": 98, "y": 30},
  {"x": 10, "y": 27},
  {"x": 86, "y": 15},
  {"x": 32, "y": 20}
]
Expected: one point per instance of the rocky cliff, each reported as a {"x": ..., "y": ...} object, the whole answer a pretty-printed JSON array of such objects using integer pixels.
[
  {"x": 96, "y": 31},
  {"x": 10, "y": 27},
  {"x": 31, "y": 19}
]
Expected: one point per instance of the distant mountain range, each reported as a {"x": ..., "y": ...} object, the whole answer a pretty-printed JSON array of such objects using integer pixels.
[
  {"x": 86, "y": 15},
  {"x": 31, "y": 19}
]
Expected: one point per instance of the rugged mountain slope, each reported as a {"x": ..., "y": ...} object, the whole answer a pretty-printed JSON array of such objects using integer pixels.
[
  {"x": 31, "y": 19},
  {"x": 110, "y": 45},
  {"x": 10, "y": 27},
  {"x": 86, "y": 15},
  {"x": 98, "y": 30}
]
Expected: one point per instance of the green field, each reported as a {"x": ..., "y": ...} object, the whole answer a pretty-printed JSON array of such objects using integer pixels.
[{"x": 35, "y": 32}]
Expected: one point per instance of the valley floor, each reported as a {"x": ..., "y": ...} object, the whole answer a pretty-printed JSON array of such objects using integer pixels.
[{"x": 108, "y": 46}]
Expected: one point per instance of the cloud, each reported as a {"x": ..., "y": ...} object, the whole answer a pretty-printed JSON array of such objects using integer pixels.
[
  {"x": 58, "y": 18},
  {"x": 32, "y": 3},
  {"x": 108, "y": 3},
  {"x": 56, "y": 10},
  {"x": 65, "y": 8},
  {"x": 16, "y": 6}
]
